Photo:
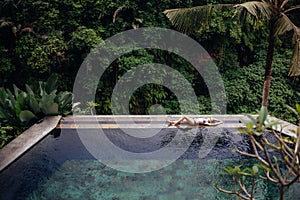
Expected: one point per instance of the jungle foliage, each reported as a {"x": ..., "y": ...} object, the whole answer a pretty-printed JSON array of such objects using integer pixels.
[
  {"x": 273, "y": 14},
  {"x": 39, "y": 38},
  {"x": 21, "y": 108}
]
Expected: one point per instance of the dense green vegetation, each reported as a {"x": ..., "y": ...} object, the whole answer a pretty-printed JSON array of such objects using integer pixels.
[
  {"x": 274, "y": 15},
  {"x": 20, "y": 109},
  {"x": 39, "y": 38}
]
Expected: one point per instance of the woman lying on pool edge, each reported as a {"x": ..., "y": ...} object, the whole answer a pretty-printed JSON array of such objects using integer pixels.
[{"x": 195, "y": 121}]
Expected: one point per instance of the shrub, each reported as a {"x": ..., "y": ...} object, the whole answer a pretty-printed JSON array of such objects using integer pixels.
[{"x": 19, "y": 109}]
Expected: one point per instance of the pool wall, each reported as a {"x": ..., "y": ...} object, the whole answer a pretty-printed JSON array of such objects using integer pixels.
[
  {"x": 37, "y": 132},
  {"x": 27, "y": 140}
]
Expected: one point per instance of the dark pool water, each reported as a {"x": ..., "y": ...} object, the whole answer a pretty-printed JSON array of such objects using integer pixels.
[{"x": 61, "y": 168}]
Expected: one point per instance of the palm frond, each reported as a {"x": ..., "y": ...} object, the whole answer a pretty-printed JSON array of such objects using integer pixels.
[
  {"x": 191, "y": 19},
  {"x": 292, "y": 8},
  {"x": 283, "y": 4},
  {"x": 5, "y": 23},
  {"x": 296, "y": 36},
  {"x": 117, "y": 12},
  {"x": 283, "y": 24},
  {"x": 295, "y": 60},
  {"x": 257, "y": 9}
]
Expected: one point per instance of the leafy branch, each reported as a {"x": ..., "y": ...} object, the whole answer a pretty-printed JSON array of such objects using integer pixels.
[{"x": 278, "y": 162}]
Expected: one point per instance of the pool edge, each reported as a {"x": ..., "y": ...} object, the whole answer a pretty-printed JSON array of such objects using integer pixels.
[
  {"x": 16, "y": 148},
  {"x": 13, "y": 150},
  {"x": 69, "y": 122}
]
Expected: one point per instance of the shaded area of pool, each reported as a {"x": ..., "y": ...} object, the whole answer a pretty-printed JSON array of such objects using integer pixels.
[{"x": 61, "y": 168}]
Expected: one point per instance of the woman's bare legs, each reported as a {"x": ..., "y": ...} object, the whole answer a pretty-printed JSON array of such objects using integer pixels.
[{"x": 183, "y": 119}]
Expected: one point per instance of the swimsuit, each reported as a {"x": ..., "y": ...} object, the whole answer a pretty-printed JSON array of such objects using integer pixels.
[{"x": 200, "y": 120}]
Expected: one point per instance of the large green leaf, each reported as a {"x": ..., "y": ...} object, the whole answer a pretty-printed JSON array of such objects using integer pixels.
[
  {"x": 263, "y": 114},
  {"x": 16, "y": 90},
  {"x": 42, "y": 87},
  {"x": 11, "y": 97},
  {"x": 34, "y": 105},
  {"x": 50, "y": 85},
  {"x": 47, "y": 104},
  {"x": 64, "y": 100},
  {"x": 29, "y": 90},
  {"x": 26, "y": 116},
  {"x": 21, "y": 102},
  {"x": 51, "y": 109}
]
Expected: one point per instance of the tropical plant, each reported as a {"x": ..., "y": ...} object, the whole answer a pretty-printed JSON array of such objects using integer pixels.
[
  {"x": 276, "y": 161},
  {"x": 22, "y": 107},
  {"x": 274, "y": 13}
]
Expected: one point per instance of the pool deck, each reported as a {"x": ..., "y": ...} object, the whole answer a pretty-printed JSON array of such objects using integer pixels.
[{"x": 37, "y": 132}]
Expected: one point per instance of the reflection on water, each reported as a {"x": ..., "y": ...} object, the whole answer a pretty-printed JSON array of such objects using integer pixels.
[{"x": 61, "y": 168}]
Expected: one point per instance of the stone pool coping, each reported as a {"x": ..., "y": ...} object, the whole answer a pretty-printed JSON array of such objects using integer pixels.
[
  {"x": 159, "y": 121},
  {"x": 37, "y": 132},
  {"x": 137, "y": 121},
  {"x": 26, "y": 140}
]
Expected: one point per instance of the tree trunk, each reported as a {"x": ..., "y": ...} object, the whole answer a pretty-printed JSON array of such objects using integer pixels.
[
  {"x": 281, "y": 192},
  {"x": 268, "y": 66}
]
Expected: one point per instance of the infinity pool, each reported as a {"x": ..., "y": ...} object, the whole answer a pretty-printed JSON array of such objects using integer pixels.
[{"x": 61, "y": 168}]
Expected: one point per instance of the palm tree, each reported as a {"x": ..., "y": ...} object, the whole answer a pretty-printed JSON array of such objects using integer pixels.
[{"x": 273, "y": 12}]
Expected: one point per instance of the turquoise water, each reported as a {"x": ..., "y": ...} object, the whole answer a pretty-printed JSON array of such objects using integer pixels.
[
  {"x": 184, "y": 179},
  {"x": 61, "y": 169}
]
